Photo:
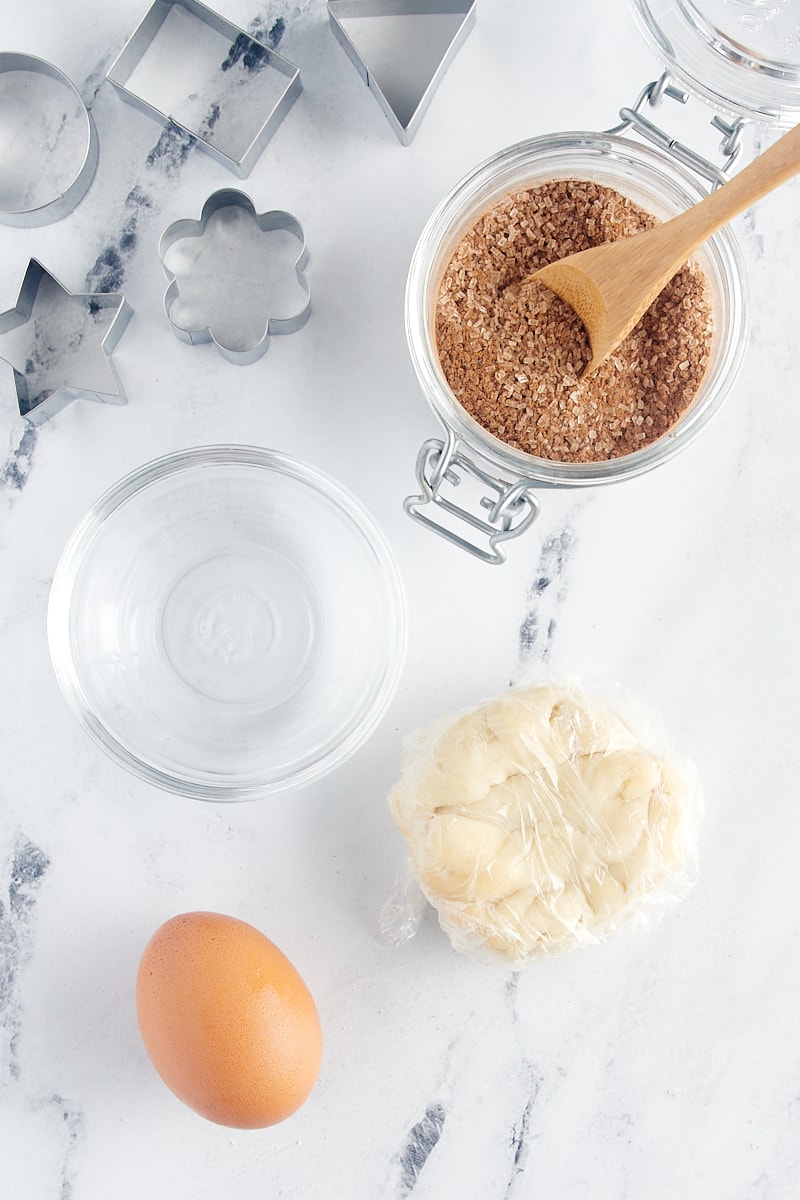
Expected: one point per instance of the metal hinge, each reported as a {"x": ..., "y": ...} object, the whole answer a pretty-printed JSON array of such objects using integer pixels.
[
  {"x": 508, "y": 508},
  {"x": 651, "y": 96}
]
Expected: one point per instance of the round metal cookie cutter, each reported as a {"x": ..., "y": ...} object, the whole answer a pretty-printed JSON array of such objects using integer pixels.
[{"x": 49, "y": 142}]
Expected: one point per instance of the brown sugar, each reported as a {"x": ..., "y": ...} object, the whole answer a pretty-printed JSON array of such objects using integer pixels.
[{"x": 513, "y": 352}]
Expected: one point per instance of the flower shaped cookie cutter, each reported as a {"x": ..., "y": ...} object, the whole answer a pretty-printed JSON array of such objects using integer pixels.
[{"x": 236, "y": 276}]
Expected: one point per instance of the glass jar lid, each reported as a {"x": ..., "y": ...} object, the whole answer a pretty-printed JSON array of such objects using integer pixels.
[{"x": 743, "y": 56}]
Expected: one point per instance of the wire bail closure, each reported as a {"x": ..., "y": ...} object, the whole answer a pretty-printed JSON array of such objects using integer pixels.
[
  {"x": 510, "y": 508},
  {"x": 652, "y": 95}
]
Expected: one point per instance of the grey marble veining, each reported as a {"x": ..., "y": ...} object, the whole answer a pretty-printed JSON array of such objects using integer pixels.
[
  {"x": 17, "y": 466},
  {"x": 544, "y": 598},
  {"x": 25, "y": 872}
]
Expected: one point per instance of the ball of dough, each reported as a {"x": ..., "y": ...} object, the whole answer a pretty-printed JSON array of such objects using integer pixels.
[{"x": 540, "y": 821}]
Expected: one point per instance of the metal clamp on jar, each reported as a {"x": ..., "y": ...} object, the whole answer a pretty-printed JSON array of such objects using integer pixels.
[{"x": 746, "y": 65}]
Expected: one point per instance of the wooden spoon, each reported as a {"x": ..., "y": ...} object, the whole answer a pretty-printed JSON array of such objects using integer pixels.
[{"x": 611, "y": 286}]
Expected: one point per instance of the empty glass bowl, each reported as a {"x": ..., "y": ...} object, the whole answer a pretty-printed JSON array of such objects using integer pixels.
[{"x": 227, "y": 622}]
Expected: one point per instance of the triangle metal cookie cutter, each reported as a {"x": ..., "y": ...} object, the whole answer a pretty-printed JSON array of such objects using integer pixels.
[
  {"x": 401, "y": 49},
  {"x": 59, "y": 344}
]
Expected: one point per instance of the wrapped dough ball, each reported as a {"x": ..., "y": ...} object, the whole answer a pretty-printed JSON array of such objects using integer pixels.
[{"x": 540, "y": 821}]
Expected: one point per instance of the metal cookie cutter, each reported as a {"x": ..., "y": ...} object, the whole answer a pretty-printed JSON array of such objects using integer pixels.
[
  {"x": 236, "y": 276},
  {"x": 188, "y": 67},
  {"x": 401, "y": 49},
  {"x": 48, "y": 140},
  {"x": 59, "y": 344}
]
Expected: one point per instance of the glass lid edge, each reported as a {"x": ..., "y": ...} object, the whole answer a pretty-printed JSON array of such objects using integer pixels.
[{"x": 731, "y": 72}]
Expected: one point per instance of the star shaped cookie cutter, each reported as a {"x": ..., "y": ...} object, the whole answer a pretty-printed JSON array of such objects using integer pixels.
[{"x": 50, "y": 339}]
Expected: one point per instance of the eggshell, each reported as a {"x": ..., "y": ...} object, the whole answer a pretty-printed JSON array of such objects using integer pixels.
[{"x": 227, "y": 1021}]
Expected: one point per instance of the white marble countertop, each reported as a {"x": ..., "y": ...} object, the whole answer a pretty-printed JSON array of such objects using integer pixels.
[{"x": 662, "y": 1064}]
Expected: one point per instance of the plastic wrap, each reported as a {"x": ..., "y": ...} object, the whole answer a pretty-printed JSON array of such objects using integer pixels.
[{"x": 542, "y": 820}]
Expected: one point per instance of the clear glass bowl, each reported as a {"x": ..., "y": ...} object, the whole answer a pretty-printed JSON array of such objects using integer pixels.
[
  {"x": 643, "y": 173},
  {"x": 227, "y": 622}
]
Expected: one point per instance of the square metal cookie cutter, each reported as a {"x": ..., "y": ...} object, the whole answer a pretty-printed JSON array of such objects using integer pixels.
[
  {"x": 401, "y": 49},
  {"x": 190, "y": 68},
  {"x": 224, "y": 283},
  {"x": 59, "y": 344}
]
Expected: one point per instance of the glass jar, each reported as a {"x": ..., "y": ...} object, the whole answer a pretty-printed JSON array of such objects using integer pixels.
[{"x": 663, "y": 177}]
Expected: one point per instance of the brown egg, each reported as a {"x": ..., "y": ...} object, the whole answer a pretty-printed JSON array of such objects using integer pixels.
[{"x": 227, "y": 1021}]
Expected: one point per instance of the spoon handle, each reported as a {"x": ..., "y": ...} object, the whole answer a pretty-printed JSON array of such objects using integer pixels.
[
  {"x": 779, "y": 163},
  {"x": 612, "y": 285}
]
